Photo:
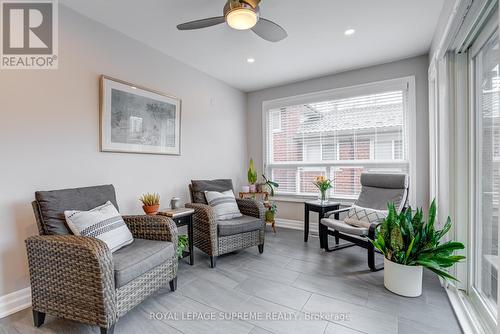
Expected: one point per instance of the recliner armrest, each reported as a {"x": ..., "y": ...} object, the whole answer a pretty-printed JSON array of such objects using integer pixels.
[
  {"x": 70, "y": 273},
  {"x": 334, "y": 212}
]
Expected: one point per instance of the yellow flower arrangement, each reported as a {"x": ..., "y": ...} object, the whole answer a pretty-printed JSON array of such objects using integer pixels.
[{"x": 323, "y": 184}]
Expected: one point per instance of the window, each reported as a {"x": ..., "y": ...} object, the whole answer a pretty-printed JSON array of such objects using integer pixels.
[
  {"x": 338, "y": 134},
  {"x": 485, "y": 63},
  {"x": 276, "y": 121}
]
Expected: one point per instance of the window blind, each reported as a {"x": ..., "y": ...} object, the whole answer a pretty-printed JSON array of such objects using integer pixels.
[{"x": 337, "y": 138}]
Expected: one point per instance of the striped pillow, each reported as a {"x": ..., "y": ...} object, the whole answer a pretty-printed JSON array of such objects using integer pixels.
[
  {"x": 224, "y": 204},
  {"x": 104, "y": 223}
]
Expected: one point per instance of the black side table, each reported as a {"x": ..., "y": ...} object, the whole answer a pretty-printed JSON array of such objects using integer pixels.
[
  {"x": 183, "y": 217},
  {"x": 321, "y": 209}
]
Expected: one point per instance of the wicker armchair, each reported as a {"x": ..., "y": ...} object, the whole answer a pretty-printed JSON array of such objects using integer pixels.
[
  {"x": 220, "y": 237},
  {"x": 78, "y": 278}
]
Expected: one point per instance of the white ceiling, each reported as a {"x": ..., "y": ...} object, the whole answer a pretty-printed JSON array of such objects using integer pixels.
[{"x": 386, "y": 30}]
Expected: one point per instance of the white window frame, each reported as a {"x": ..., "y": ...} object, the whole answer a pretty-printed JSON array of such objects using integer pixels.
[
  {"x": 475, "y": 160},
  {"x": 404, "y": 83}
]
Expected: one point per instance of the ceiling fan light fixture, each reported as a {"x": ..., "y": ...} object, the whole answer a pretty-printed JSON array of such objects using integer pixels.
[{"x": 242, "y": 18}]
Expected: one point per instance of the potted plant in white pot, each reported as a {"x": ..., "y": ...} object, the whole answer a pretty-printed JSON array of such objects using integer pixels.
[{"x": 409, "y": 244}]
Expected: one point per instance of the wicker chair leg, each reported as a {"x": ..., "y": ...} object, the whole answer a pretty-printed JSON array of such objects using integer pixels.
[
  {"x": 261, "y": 249},
  {"x": 173, "y": 284},
  {"x": 213, "y": 260},
  {"x": 38, "y": 318},
  {"x": 109, "y": 330}
]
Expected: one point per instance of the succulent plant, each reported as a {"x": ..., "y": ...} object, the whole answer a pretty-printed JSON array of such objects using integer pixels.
[
  {"x": 406, "y": 239},
  {"x": 150, "y": 199}
]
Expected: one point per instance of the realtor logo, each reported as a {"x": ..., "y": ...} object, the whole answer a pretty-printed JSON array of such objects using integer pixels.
[{"x": 29, "y": 34}]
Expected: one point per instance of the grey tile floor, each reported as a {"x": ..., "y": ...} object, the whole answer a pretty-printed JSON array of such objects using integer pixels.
[{"x": 291, "y": 279}]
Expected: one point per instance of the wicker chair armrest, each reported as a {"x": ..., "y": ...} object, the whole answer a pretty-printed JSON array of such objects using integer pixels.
[
  {"x": 251, "y": 207},
  {"x": 203, "y": 212},
  {"x": 72, "y": 276},
  {"x": 152, "y": 228}
]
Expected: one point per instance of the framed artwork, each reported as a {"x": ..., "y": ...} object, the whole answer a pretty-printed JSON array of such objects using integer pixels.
[{"x": 138, "y": 120}]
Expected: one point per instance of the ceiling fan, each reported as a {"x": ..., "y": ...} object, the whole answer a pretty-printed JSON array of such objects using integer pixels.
[{"x": 241, "y": 15}]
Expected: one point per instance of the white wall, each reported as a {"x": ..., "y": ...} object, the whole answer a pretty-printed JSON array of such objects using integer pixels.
[
  {"x": 416, "y": 66},
  {"x": 49, "y": 131}
]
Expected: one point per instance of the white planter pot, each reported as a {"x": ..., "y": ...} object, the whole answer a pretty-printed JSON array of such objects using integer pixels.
[
  {"x": 253, "y": 188},
  {"x": 245, "y": 189},
  {"x": 403, "y": 280}
]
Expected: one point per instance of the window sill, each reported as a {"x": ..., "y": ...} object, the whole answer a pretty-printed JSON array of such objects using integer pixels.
[{"x": 302, "y": 199}]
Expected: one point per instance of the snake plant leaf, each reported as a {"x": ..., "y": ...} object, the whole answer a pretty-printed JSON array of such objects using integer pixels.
[
  {"x": 408, "y": 251},
  {"x": 434, "y": 267},
  {"x": 396, "y": 239}
]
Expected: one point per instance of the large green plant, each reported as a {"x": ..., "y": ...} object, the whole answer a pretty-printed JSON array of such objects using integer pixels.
[
  {"x": 252, "y": 173},
  {"x": 406, "y": 239}
]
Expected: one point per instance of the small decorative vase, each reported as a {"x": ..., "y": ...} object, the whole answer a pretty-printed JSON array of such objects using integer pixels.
[
  {"x": 253, "y": 188},
  {"x": 323, "y": 196},
  {"x": 403, "y": 280},
  {"x": 245, "y": 189},
  {"x": 151, "y": 210},
  {"x": 174, "y": 203}
]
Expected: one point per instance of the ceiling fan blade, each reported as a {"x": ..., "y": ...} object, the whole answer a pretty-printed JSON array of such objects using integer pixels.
[
  {"x": 269, "y": 30},
  {"x": 253, "y": 3},
  {"x": 203, "y": 23}
]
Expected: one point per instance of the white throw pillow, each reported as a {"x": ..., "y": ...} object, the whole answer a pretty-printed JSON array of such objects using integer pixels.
[
  {"x": 104, "y": 223},
  {"x": 364, "y": 217},
  {"x": 224, "y": 204}
]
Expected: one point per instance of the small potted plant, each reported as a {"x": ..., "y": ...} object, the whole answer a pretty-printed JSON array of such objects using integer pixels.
[
  {"x": 252, "y": 176},
  {"x": 271, "y": 211},
  {"x": 323, "y": 184},
  {"x": 409, "y": 244},
  {"x": 151, "y": 203},
  {"x": 181, "y": 245},
  {"x": 270, "y": 184}
]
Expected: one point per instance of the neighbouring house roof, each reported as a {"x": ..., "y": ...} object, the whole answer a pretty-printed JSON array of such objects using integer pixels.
[{"x": 374, "y": 111}]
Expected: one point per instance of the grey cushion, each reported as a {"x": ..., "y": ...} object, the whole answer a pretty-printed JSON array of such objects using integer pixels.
[
  {"x": 377, "y": 198},
  {"x": 389, "y": 181},
  {"x": 344, "y": 228},
  {"x": 53, "y": 203},
  {"x": 238, "y": 225},
  {"x": 140, "y": 257},
  {"x": 200, "y": 186}
]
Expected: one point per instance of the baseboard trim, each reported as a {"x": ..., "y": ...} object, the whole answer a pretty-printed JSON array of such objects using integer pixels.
[
  {"x": 15, "y": 302},
  {"x": 297, "y": 225}
]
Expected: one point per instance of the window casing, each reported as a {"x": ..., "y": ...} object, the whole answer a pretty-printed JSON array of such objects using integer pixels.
[{"x": 339, "y": 134}]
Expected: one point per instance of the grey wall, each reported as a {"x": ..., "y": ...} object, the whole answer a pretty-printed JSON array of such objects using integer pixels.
[
  {"x": 49, "y": 131},
  {"x": 416, "y": 66}
]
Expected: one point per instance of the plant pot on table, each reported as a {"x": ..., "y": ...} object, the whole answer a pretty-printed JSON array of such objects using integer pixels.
[{"x": 151, "y": 210}]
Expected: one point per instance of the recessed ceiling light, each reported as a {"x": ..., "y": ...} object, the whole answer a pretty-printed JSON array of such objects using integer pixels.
[
  {"x": 251, "y": 60},
  {"x": 349, "y": 32},
  {"x": 133, "y": 87}
]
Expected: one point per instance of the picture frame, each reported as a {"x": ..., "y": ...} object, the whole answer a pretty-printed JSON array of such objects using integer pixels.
[{"x": 135, "y": 119}]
